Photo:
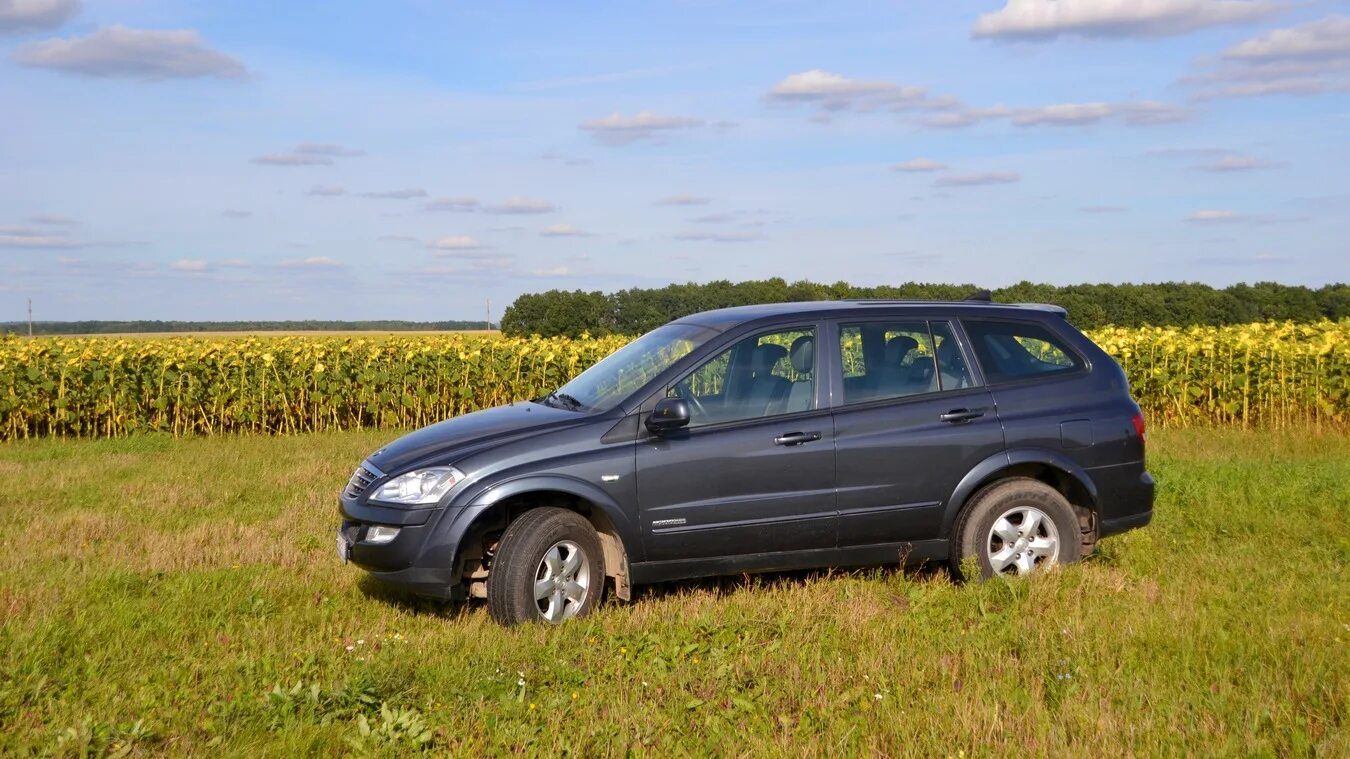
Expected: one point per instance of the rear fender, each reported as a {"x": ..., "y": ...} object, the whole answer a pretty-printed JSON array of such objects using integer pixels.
[{"x": 995, "y": 466}]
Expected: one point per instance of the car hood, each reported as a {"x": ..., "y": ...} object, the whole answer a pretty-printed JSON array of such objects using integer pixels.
[{"x": 453, "y": 439}]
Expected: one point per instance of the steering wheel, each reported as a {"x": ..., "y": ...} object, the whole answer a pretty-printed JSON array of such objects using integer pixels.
[{"x": 694, "y": 403}]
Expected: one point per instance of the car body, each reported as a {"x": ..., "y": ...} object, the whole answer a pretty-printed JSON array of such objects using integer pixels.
[{"x": 774, "y": 437}]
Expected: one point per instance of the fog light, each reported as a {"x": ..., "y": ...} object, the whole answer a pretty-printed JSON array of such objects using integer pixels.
[{"x": 379, "y": 534}]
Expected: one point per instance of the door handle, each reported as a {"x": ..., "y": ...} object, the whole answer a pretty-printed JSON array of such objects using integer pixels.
[
  {"x": 959, "y": 415},
  {"x": 796, "y": 438}
]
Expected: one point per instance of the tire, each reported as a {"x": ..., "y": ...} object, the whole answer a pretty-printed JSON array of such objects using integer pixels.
[
  {"x": 992, "y": 528},
  {"x": 549, "y": 551}
]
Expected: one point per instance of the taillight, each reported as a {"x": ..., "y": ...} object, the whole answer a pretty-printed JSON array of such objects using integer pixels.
[{"x": 1139, "y": 425}]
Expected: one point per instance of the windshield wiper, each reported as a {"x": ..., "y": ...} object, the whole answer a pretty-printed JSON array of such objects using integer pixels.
[{"x": 567, "y": 401}]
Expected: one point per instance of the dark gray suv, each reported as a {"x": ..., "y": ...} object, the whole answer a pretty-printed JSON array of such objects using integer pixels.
[{"x": 764, "y": 438}]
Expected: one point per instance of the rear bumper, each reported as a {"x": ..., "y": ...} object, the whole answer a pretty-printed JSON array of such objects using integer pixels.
[
  {"x": 1116, "y": 526},
  {"x": 1125, "y": 499}
]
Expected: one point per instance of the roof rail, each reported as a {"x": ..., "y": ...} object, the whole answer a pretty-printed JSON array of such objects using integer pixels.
[{"x": 982, "y": 296}]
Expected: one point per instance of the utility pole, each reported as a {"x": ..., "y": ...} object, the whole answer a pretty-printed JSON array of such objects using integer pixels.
[
  {"x": 489, "y": 313},
  {"x": 30, "y": 317}
]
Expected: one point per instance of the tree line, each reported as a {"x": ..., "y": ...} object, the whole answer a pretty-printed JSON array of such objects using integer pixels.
[
  {"x": 634, "y": 311},
  {"x": 308, "y": 325}
]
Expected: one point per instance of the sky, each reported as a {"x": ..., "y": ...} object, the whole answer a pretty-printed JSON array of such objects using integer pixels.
[{"x": 162, "y": 159}]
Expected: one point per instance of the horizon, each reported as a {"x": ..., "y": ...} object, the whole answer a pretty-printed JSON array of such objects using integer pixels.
[{"x": 179, "y": 161}]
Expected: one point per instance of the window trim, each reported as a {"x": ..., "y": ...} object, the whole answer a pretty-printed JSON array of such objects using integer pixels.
[
  {"x": 835, "y": 329},
  {"x": 1084, "y": 366},
  {"x": 820, "y": 403}
]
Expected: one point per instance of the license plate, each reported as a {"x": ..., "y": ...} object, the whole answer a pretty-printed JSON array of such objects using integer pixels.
[{"x": 344, "y": 548}]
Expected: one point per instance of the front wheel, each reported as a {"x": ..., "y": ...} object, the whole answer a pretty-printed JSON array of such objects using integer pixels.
[
  {"x": 1017, "y": 527},
  {"x": 549, "y": 568}
]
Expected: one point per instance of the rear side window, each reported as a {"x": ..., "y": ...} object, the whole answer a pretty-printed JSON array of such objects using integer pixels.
[
  {"x": 883, "y": 360},
  {"x": 1010, "y": 351}
]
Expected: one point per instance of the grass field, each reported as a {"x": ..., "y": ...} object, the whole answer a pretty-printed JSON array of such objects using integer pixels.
[{"x": 181, "y": 596}]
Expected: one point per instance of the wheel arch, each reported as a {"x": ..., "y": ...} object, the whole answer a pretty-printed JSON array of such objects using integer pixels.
[
  {"x": 498, "y": 506},
  {"x": 1048, "y": 466}
]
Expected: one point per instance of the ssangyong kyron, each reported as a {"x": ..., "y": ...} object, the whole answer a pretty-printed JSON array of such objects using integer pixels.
[{"x": 765, "y": 438}]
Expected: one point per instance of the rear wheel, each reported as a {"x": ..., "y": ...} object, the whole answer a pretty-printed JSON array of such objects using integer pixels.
[
  {"x": 549, "y": 568},
  {"x": 1016, "y": 527}
]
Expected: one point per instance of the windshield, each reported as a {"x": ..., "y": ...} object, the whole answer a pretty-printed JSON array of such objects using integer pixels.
[{"x": 601, "y": 387}]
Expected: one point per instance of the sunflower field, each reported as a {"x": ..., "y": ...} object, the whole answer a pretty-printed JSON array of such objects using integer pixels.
[{"x": 1277, "y": 374}]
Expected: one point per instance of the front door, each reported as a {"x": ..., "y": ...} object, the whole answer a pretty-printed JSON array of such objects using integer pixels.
[
  {"x": 911, "y": 422},
  {"x": 754, "y": 471}
]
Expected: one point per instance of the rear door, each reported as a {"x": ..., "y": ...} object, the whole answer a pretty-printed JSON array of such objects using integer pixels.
[
  {"x": 754, "y": 471},
  {"x": 911, "y": 419}
]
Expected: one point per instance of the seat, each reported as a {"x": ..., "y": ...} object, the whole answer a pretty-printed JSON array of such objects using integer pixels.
[
  {"x": 767, "y": 390},
  {"x": 893, "y": 375},
  {"x": 802, "y": 393}
]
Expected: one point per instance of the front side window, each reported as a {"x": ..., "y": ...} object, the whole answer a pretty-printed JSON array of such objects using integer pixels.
[
  {"x": 759, "y": 376},
  {"x": 1010, "y": 351}
]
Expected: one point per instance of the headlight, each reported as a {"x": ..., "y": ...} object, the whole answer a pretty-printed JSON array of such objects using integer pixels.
[{"x": 419, "y": 487}]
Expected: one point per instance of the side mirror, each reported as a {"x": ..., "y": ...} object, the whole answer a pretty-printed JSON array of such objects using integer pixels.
[{"x": 670, "y": 414}]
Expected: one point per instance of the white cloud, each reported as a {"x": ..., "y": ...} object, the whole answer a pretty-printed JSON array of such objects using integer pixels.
[
  {"x": 683, "y": 200},
  {"x": 408, "y": 193},
  {"x": 327, "y": 149},
  {"x": 1132, "y": 113},
  {"x": 1327, "y": 38},
  {"x": 118, "y": 51},
  {"x": 717, "y": 236},
  {"x": 27, "y": 237},
  {"x": 48, "y": 219},
  {"x": 556, "y": 271},
  {"x": 293, "y": 159},
  {"x": 1309, "y": 59},
  {"x": 236, "y": 213},
  {"x": 189, "y": 264},
  {"x": 823, "y": 85},
  {"x": 310, "y": 154},
  {"x": 1230, "y": 163},
  {"x": 18, "y": 16},
  {"x": 326, "y": 191},
  {"x": 521, "y": 206},
  {"x": 453, "y": 204},
  {"x": 976, "y": 180},
  {"x": 919, "y": 165},
  {"x": 455, "y": 242},
  {"x": 563, "y": 230},
  {"x": 834, "y": 92},
  {"x": 1046, "y": 19},
  {"x": 313, "y": 262},
  {"x": 1213, "y": 215},
  {"x": 713, "y": 218},
  {"x": 618, "y": 129}
]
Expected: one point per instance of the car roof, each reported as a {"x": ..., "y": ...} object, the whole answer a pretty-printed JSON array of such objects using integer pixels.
[{"x": 726, "y": 318}]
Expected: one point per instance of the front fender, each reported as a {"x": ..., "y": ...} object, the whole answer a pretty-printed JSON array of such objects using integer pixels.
[
  {"x": 442, "y": 547},
  {"x": 987, "y": 470}
]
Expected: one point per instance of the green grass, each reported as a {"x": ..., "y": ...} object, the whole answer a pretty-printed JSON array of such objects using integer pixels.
[{"x": 182, "y": 597}]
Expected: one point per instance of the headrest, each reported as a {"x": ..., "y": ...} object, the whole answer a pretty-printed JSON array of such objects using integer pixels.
[
  {"x": 766, "y": 357},
  {"x": 899, "y": 347},
  {"x": 803, "y": 353}
]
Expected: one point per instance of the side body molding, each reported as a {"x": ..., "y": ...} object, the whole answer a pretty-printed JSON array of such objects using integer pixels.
[{"x": 985, "y": 470}]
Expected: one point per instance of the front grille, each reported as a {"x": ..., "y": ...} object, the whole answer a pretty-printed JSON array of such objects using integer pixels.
[{"x": 361, "y": 479}]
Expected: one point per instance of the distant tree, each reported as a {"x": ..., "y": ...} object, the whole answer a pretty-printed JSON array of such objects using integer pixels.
[{"x": 638, "y": 310}]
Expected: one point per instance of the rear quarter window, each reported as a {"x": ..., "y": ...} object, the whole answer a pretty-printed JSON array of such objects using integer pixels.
[{"x": 1009, "y": 351}]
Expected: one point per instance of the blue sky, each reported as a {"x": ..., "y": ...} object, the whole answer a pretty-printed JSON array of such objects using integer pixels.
[{"x": 340, "y": 160}]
